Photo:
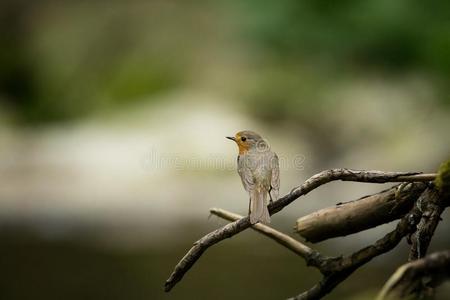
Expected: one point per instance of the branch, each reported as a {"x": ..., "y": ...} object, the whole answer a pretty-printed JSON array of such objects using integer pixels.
[
  {"x": 312, "y": 183},
  {"x": 312, "y": 257},
  {"x": 431, "y": 206},
  {"x": 410, "y": 279},
  {"x": 347, "y": 175},
  {"x": 358, "y": 215},
  {"x": 334, "y": 269},
  {"x": 339, "y": 269}
]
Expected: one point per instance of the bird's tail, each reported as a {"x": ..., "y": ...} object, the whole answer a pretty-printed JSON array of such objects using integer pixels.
[{"x": 258, "y": 206}]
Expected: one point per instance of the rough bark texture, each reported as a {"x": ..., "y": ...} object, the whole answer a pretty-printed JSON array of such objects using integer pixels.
[
  {"x": 334, "y": 269},
  {"x": 417, "y": 279},
  {"x": 431, "y": 206},
  {"x": 364, "y": 213}
]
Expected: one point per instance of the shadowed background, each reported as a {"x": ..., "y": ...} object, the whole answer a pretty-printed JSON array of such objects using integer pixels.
[{"x": 112, "y": 124}]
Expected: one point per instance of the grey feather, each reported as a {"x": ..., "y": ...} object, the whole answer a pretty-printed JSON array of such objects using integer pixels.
[
  {"x": 259, "y": 173},
  {"x": 275, "y": 180}
]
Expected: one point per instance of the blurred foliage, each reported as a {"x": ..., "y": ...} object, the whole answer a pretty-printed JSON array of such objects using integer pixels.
[
  {"x": 61, "y": 60},
  {"x": 397, "y": 35},
  {"x": 310, "y": 47}
]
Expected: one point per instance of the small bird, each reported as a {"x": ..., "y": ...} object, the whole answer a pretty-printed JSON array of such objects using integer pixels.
[{"x": 260, "y": 173}]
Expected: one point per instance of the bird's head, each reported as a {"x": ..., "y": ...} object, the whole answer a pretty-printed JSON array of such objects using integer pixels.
[{"x": 248, "y": 140}]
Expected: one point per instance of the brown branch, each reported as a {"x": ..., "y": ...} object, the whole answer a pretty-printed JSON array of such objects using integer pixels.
[
  {"x": 337, "y": 269},
  {"x": 340, "y": 269},
  {"x": 431, "y": 206},
  {"x": 312, "y": 183},
  {"x": 418, "y": 278},
  {"x": 347, "y": 175},
  {"x": 312, "y": 257},
  {"x": 358, "y": 215},
  {"x": 334, "y": 269}
]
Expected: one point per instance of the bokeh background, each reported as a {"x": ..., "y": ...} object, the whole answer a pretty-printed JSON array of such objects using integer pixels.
[{"x": 112, "y": 123}]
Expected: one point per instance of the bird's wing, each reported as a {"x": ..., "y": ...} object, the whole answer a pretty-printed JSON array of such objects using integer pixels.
[
  {"x": 246, "y": 173},
  {"x": 275, "y": 180}
]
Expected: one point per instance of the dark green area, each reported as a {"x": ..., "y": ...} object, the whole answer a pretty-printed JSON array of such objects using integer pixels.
[
  {"x": 312, "y": 45},
  {"x": 395, "y": 35},
  {"x": 67, "y": 60},
  {"x": 75, "y": 63}
]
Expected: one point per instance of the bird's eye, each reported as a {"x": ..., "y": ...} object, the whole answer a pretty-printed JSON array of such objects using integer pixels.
[{"x": 243, "y": 138}]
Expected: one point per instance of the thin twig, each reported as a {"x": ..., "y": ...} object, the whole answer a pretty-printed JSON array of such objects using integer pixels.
[
  {"x": 334, "y": 269},
  {"x": 312, "y": 257},
  {"x": 347, "y": 175},
  {"x": 312, "y": 183}
]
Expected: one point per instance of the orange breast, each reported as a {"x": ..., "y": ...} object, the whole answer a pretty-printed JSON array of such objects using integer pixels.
[{"x": 243, "y": 148}]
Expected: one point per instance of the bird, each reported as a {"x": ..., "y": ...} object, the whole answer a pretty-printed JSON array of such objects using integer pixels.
[{"x": 258, "y": 167}]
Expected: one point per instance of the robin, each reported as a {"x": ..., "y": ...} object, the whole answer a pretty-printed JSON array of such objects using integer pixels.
[{"x": 260, "y": 173}]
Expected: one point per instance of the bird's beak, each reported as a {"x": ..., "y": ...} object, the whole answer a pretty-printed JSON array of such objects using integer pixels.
[{"x": 231, "y": 138}]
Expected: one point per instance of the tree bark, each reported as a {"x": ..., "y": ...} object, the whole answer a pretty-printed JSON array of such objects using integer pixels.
[{"x": 358, "y": 215}]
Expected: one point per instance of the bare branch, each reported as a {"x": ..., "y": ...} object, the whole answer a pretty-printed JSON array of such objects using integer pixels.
[
  {"x": 335, "y": 269},
  {"x": 312, "y": 257},
  {"x": 201, "y": 245},
  {"x": 324, "y": 286},
  {"x": 431, "y": 206},
  {"x": 355, "y": 216},
  {"x": 339, "y": 269},
  {"x": 347, "y": 175},
  {"x": 312, "y": 183},
  {"x": 418, "y": 277}
]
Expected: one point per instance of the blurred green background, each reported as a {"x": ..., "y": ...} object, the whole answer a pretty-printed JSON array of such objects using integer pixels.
[{"x": 112, "y": 123}]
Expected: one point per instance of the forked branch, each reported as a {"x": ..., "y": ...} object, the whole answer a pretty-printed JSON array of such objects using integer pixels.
[
  {"x": 334, "y": 269},
  {"x": 312, "y": 257},
  {"x": 312, "y": 183}
]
